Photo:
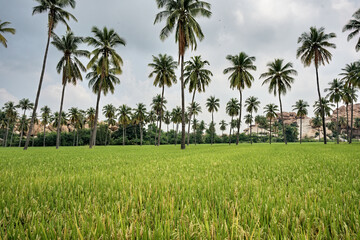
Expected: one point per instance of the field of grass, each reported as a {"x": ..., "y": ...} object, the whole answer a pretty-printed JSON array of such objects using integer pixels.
[{"x": 206, "y": 192}]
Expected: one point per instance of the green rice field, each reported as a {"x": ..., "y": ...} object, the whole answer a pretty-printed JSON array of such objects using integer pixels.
[{"x": 308, "y": 191}]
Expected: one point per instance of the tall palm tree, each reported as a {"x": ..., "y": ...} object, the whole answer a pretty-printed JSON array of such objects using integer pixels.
[
  {"x": 24, "y": 104},
  {"x": 45, "y": 119},
  {"x": 90, "y": 118},
  {"x": 10, "y": 114},
  {"x": 223, "y": 125},
  {"x": 197, "y": 77},
  {"x": 56, "y": 14},
  {"x": 59, "y": 121},
  {"x": 252, "y": 105},
  {"x": 351, "y": 76},
  {"x": 180, "y": 15},
  {"x": 151, "y": 118},
  {"x": 164, "y": 72},
  {"x": 176, "y": 118},
  {"x": 158, "y": 105},
  {"x": 195, "y": 125},
  {"x": 124, "y": 118},
  {"x": 240, "y": 77},
  {"x": 354, "y": 26},
  {"x": 167, "y": 121},
  {"x": 4, "y": 29},
  {"x": 69, "y": 65},
  {"x": 279, "y": 78},
  {"x": 106, "y": 62},
  {"x": 232, "y": 109},
  {"x": 348, "y": 96},
  {"x": 212, "y": 105},
  {"x": 314, "y": 49},
  {"x": 301, "y": 111},
  {"x": 74, "y": 118},
  {"x": 140, "y": 113},
  {"x": 270, "y": 111},
  {"x": 248, "y": 120},
  {"x": 109, "y": 111},
  {"x": 326, "y": 107},
  {"x": 335, "y": 95},
  {"x": 195, "y": 109}
]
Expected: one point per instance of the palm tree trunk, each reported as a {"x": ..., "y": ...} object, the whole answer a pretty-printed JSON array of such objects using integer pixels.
[
  {"x": 238, "y": 126},
  {"x": 182, "y": 103},
  {"x": 33, "y": 140},
  {"x": 39, "y": 87},
  {"x": 155, "y": 135},
  {"x": 300, "y": 129},
  {"x": 74, "y": 137},
  {"x": 195, "y": 133},
  {"x": 161, "y": 114},
  {"x": 282, "y": 118},
  {"x": 230, "y": 131},
  {"x": 21, "y": 134},
  {"x": 337, "y": 122},
  {"x": 167, "y": 134},
  {"x": 12, "y": 135},
  {"x": 136, "y": 138},
  {"x": 77, "y": 137},
  {"x": 93, "y": 135},
  {"x": 44, "y": 135},
  {"x": 321, "y": 106},
  {"x": 319, "y": 134},
  {"x": 347, "y": 122},
  {"x": 270, "y": 130},
  {"x": 7, "y": 133},
  {"x": 141, "y": 134},
  {"x": 212, "y": 130},
  {"x": 190, "y": 115},
  {"x": 123, "y": 135},
  {"x": 251, "y": 140},
  {"x": 351, "y": 121},
  {"x": 59, "y": 117},
  {"x": 177, "y": 129}
]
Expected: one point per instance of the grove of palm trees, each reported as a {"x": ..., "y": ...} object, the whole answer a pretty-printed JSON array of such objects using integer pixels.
[{"x": 260, "y": 141}]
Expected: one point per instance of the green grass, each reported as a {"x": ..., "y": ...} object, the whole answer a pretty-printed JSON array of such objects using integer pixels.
[{"x": 220, "y": 192}]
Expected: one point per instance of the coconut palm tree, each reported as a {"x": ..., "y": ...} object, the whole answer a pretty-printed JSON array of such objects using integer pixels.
[
  {"x": 158, "y": 105},
  {"x": 279, "y": 78},
  {"x": 232, "y": 109},
  {"x": 240, "y": 77},
  {"x": 270, "y": 111},
  {"x": 176, "y": 116},
  {"x": 164, "y": 72},
  {"x": 335, "y": 95},
  {"x": 223, "y": 125},
  {"x": 316, "y": 122},
  {"x": 180, "y": 15},
  {"x": 10, "y": 114},
  {"x": 106, "y": 63},
  {"x": 212, "y": 105},
  {"x": 248, "y": 120},
  {"x": 140, "y": 114},
  {"x": 74, "y": 118},
  {"x": 45, "y": 119},
  {"x": 354, "y": 26},
  {"x": 167, "y": 121},
  {"x": 69, "y": 65},
  {"x": 4, "y": 29},
  {"x": 24, "y": 104},
  {"x": 195, "y": 125},
  {"x": 56, "y": 14},
  {"x": 314, "y": 49},
  {"x": 252, "y": 105},
  {"x": 195, "y": 109},
  {"x": 124, "y": 113},
  {"x": 59, "y": 121},
  {"x": 109, "y": 111},
  {"x": 327, "y": 105},
  {"x": 197, "y": 78},
  {"x": 351, "y": 77},
  {"x": 301, "y": 111},
  {"x": 348, "y": 96}
]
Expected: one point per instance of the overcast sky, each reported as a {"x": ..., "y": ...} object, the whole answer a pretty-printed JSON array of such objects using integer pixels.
[{"x": 266, "y": 29}]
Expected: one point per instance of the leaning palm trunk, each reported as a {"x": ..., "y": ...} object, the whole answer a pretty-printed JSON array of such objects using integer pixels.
[
  {"x": 321, "y": 105},
  {"x": 337, "y": 122},
  {"x": 351, "y": 121},
  {"x": 93, "y": 135},
  {"x": 39, "y": 88},
  {"x": 44, "y": 135},
  {"x": 282, "y": 118},
  {"x": 190, "y": 115},
  {"x": 182, "y": 104},
  {"x": 161, "y": 114},
  {"x": 238, "y": 124},
  {"x": 59, "y": 117}
]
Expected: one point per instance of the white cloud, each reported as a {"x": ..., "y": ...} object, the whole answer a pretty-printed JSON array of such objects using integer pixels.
[{"x": 5, "y": 96}]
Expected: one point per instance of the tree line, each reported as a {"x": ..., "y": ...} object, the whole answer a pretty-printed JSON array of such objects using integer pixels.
[{"x": 105, "y": 65}]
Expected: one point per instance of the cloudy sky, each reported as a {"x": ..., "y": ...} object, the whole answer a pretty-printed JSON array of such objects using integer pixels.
[{"x": 266, "y": 29}]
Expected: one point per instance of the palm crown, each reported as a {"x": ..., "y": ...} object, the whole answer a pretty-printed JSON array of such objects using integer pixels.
[
  {"x": 4, "y": 29},
  {"x": 354, "y": 26},
  {"x": 196, "y": 76}
]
